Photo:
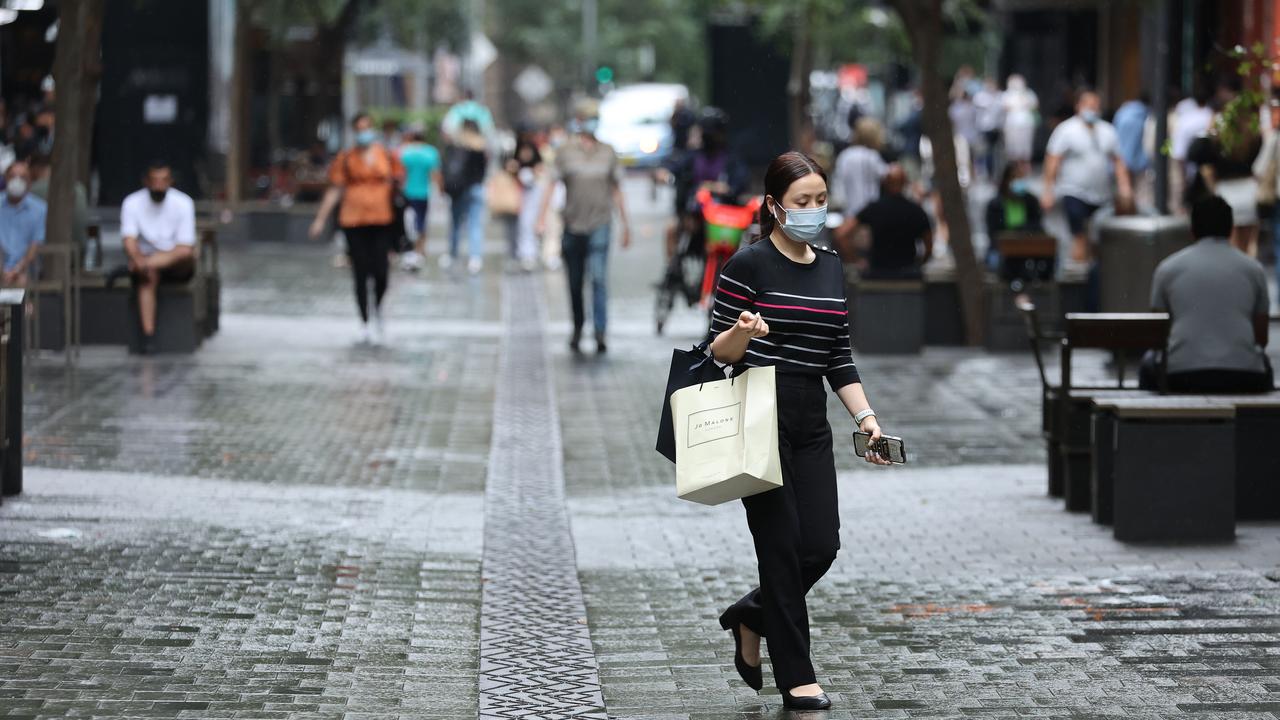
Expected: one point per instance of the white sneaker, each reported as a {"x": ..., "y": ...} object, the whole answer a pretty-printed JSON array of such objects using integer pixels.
[
  {"x": 411, "y": 261},
  {"x": 379, "y": 329},
  {"x": 446, "y": 261},
  {"x": 528, "y": 265},
  {"x": 365, "y": 336},
  {"x": 475, "y": 265},
  {"x": 552, "y": 263}
]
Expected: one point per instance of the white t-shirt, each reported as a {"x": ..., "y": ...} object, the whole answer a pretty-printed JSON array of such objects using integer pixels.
[
  {"x": 1190, "y": 121},
  {"x": 1087, "y": 155},
  {"x": 159, "y": 227},
  {"x": 859, "y": 170}
]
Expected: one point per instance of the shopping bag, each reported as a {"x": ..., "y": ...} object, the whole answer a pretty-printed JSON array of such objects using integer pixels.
[
  {"x": 688, "y": 367},
  {"x": 727, "y": 438},
  {"x": 503, "y": 194}
]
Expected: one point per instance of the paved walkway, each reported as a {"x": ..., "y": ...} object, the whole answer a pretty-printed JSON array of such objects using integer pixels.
[{"x": 287, "y": 525}]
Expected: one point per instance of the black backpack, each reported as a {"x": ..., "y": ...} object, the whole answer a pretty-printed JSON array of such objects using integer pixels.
[{"x": 456, "y": 170}]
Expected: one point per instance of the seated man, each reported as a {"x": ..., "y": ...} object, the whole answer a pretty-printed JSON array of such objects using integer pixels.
[
  {"x": 1217, "y": 298},
  {"x": 158, "y": 224},
  {"x": 901, "y": 238},
  {"x": 22, "y": 220}
]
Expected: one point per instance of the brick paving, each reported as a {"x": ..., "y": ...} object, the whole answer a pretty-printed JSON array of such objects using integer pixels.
[{"x": 288, "y": 525}]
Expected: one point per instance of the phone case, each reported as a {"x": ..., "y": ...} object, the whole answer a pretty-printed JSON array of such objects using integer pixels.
[{"x": 895, "y": 445}]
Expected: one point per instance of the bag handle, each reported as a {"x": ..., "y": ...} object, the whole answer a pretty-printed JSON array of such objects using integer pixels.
[{"x": 703, "y": 347}]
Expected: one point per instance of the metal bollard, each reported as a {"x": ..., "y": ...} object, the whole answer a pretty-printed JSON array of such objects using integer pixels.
[{"x": 11, "y": 347}]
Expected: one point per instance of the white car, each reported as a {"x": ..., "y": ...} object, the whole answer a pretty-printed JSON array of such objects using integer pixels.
[{"x": 636, "y": 121}]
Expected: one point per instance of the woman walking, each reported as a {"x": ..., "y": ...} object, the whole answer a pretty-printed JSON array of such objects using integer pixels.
[
  {"x": 780, "y": 302},
  {"x": 362, "y": 179}
]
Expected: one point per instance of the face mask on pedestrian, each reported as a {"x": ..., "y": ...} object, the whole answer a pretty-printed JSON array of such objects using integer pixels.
[
  {"x": 16, "y": 189},
  {"x": 1020, "y": 186},
  {"x": 1089, "y": 116},
  {"x": 802, "y": 224},
  {"x": 157, "y": 196},
  {"x": 365, "y": 138}
]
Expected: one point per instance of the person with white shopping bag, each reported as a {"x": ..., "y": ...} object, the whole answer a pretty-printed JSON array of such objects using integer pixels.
[{"x": 780, "y": 303}]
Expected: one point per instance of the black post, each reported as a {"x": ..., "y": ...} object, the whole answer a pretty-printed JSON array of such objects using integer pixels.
[
  {"x": 1160, "y": 105},
  {"x": 11, "y": 467}
]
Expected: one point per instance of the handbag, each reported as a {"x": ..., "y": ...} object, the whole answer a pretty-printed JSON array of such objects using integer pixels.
[
  {"x": 504, "y": 194},
  {"x": 726, "y": 435},
  {"x": 688, "y": 367}
]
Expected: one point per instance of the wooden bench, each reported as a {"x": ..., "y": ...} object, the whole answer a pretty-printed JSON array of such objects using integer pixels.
[
  {"x": 1122, "y": 334},
  {"x": 887, "y": 316},
  {"x": 1066, "y": 407},
  {"x": 1168, "y": 466}
]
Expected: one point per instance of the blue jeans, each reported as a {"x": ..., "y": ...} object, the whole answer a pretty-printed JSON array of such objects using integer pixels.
[
  {"x": 467, "y": 207},
  {"x": 588, "y": 253}
]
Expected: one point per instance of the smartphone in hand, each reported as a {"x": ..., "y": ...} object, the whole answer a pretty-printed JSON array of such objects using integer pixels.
[{"x": 889, "y": 447}]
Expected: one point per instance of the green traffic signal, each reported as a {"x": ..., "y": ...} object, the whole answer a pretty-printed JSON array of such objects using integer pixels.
[{"x": 604, "y": 74}]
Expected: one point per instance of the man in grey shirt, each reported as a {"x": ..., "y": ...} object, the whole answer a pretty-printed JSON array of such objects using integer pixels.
[{"x": 1217, "y": 298}]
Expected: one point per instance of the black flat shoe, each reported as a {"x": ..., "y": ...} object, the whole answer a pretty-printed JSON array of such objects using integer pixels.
[
  {"x": 806, "y": 702},
  {"x": 750, "y": 674}
]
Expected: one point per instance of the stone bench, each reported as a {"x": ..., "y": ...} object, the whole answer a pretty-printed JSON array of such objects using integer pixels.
[
  {"x": 887, "y": 316},
  {"x": 1168, "y": 466},
  {"x": 186, "y": 314}
]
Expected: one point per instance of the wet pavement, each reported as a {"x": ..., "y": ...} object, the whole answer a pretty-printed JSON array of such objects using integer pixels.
[{"x": 289, "y": 525}]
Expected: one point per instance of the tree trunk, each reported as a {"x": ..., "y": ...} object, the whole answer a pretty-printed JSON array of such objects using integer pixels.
[
  {"x": 923, "y": 21},
  {"x": 74, "y": 71},
  {"x": 798, "y": 82},
  {"x": 238, "y": 132}
]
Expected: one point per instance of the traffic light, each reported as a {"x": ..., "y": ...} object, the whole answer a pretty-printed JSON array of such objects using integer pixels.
[{"x": 604, "y": 74}]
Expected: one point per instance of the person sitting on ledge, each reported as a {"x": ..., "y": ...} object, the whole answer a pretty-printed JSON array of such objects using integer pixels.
[
  {"x": 901, "y": 238},
  {"x": 1217, "y": 299},
  {"x": 158, "y": 224}
]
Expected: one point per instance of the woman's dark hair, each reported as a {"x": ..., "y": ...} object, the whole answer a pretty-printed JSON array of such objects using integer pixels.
[
  {"x": 362, "y": 115},
  {"x": 783, "y": 171},
  {"x": 1006, "y": 177}
]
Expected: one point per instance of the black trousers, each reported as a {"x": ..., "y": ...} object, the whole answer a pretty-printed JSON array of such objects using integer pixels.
[
  {"x": 796, "y": 529},
  {"x": 367, "y": 247},
  {"x": 1209, "y": 382}
]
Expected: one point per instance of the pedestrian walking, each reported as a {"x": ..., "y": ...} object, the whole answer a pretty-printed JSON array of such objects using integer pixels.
[
  {"x": 1081, "y": 162},
  {"x": 780, "y": 301},
  {"x": 1131, "y": 129},
  {"x": 988, "y": 101},
  {"x": 592, "y": 180},
  {"x": 362, "y": 181},
  {"x": 528, "y": 170},
  {"x": 421, "y": 162},
  {"x": 859, "y": 170},
  {"x": 1021, "y": 115},
  {"x": 1224, "y": 159},
  {"x": 466, "y": 161},
  {"x": 1266, "y": 168}
]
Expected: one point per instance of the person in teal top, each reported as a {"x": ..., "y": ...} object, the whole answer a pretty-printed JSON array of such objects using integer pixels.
[
  {"x": 467, "y": 109},
  {"x": 422, "y": 170}
]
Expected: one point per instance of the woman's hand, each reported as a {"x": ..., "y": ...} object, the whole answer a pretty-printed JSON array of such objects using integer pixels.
[
  {"x": 752, "y": 325},
  {"x": 869, "y": 425},
  {"x": 316, "y": 229}
]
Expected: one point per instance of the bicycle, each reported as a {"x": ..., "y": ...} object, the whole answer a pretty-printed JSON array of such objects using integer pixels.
[{"x": 706, "y": 239}]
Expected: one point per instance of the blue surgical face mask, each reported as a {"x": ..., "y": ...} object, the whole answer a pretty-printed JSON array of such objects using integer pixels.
[
  {"x": 1089, "y": 116},
  {"x": 803, "y": 224},
  {"x": 1020, "y": 186},
  {"x": 365, "y": 138}
]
